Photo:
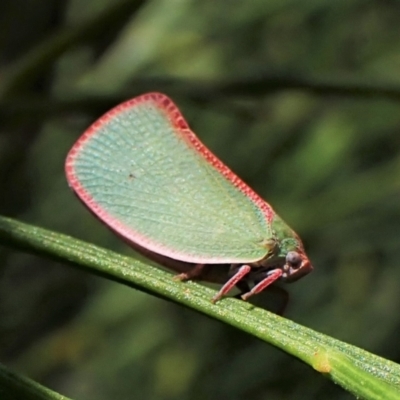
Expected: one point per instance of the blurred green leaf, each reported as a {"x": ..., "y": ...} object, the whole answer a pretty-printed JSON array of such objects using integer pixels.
[
  {"x": 16, "y": 387},
  {"x": 30, "y": 65}
]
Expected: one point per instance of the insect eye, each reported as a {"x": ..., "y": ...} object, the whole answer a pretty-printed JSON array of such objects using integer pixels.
[{"x": 293, "y": 258}]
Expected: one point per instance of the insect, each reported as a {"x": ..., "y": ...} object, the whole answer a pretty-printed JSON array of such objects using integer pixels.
[{"x": 146, "y": 175}]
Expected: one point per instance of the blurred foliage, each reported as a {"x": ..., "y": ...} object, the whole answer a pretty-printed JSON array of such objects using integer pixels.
[{"x": 327, "y": 160}]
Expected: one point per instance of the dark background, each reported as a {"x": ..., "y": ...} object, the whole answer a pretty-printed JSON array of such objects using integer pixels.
[{"x": 300, "y": 99}]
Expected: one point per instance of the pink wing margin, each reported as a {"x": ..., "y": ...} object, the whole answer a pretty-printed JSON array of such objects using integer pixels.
[{"x": 182, "y": 129}]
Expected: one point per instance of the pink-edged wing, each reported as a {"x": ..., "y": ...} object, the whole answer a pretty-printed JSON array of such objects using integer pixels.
[{"x": 145, "y": 174}]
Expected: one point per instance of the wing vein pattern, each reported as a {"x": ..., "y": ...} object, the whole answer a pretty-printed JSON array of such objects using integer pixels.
[{"x": 146, "y": 179}]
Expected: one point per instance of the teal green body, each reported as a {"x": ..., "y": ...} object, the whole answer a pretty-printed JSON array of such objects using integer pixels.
[{"x": 145, "y": 174}]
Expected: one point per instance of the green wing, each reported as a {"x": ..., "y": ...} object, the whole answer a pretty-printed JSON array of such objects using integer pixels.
[{"x": 147, "y": 176}]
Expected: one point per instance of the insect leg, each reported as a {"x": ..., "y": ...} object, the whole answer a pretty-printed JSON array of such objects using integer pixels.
[
  {"x": 194, "y": 273},
  {"x": 244, "y": 287},
  {"x": 239, "y": 274},
  {"x": 271, "y": 277}
]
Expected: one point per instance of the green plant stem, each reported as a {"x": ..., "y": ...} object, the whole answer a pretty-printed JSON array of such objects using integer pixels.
[{"x": 360, "y": 372}]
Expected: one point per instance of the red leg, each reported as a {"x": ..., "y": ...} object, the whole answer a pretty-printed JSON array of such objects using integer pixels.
[
  {"x": 241, "y": 272},
  {"x": 194, "y": 273},
  {"x": 272, "y": 277}
]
